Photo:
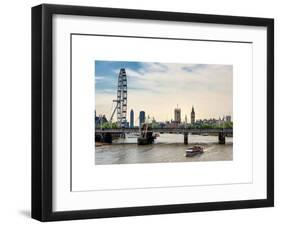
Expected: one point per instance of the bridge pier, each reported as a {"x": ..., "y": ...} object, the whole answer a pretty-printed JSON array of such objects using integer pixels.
[
  {"x": 221, "y": 138},
  {"x": 103, "y": 137},
  {"x": 122, "y": 135},
  {"x": 185, "y": 138}
]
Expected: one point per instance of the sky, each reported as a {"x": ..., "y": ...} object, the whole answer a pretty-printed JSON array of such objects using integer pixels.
[{"x": 158, "y": 88}]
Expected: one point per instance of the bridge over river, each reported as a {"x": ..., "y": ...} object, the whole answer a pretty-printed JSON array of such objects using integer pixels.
[{"x": 106, "y": 134}]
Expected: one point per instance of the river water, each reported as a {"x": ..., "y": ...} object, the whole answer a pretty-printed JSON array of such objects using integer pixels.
[{"x": 167, "y": 148}]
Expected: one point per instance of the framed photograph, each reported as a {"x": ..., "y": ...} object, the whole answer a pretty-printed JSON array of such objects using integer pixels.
[{"x": 145, "y": 112}]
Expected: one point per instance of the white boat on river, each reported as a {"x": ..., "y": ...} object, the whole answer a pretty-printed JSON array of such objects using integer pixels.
[{"x": 195, "y": 150}]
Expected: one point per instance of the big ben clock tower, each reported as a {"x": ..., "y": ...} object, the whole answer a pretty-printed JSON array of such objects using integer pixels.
[{"x": 192, "y": 116}]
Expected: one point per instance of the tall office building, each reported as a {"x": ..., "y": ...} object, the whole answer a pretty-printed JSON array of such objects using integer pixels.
[
  {"x": 192, "y": 116},
  {"x": 132, "y": 118},
  {"x": 177, "y": 117},
  {"x": 142, "y": 117}
]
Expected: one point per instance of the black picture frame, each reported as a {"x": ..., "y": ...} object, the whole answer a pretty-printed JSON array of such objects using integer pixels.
[{"x": 42, "y": 111}]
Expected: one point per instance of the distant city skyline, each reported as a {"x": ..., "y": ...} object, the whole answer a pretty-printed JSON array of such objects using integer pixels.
[{"x": 159, "y": 88}]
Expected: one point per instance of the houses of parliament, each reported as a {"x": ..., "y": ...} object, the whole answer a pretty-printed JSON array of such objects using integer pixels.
[{"x": 177, "y": 116}]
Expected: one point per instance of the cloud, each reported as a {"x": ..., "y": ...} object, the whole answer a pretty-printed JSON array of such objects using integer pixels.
[
  {"x": 194, "y": 67},
  {"x": 99, "y": 77},
  {"x": 153, "y": 67}
]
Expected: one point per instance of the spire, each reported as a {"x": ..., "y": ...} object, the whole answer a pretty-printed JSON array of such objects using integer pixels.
[{"x": 192, "y": 120}]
